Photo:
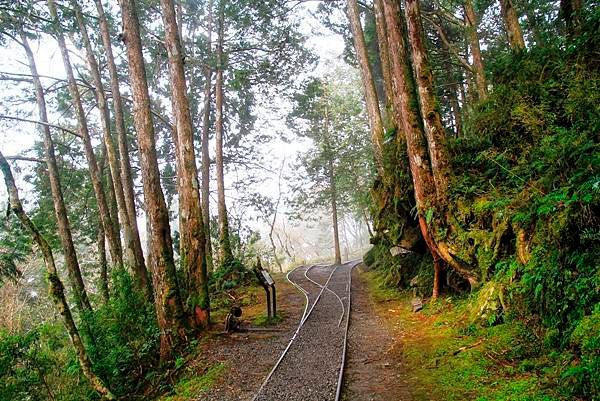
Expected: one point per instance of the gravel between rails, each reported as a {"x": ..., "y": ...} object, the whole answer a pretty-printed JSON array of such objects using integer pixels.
[{"x": 311, "y": 367}]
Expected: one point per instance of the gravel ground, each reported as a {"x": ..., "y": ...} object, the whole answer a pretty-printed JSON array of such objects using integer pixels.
[
  {"x": 250, "y": 356},
  {"x": 310, "y": 369}
]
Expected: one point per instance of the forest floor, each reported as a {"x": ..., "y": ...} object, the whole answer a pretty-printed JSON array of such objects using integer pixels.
[
  {"x": 227, "y": 367},
  {"x": 375, "y": 362},
  {"x": 443, "y": 357},
  {"x": 393, "y": 353}
]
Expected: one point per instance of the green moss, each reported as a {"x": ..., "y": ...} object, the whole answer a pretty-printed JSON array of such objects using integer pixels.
[
  {"x": 262, "y": 319},
  {"x": 447, "y": 358},
  {"x": 189, "y": 388}
]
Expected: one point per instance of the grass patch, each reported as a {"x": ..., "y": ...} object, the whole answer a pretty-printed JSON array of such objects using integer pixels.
[
  {"x": 262, "y": 319},
  {"x": 188, "y": 388},
  {"x": 447, "y": 358}
]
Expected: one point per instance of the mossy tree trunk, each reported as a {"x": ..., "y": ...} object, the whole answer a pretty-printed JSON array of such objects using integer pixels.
[
  {"x": 432, "y": 120},
  {"x": 205, "y": 143},
  {"x": 60, "y": 210},
  {"x": 512, "y": 26},
  {"x": 370, "y": 93},
  {"x": 140, "y": 269},
  {"x": 192, "y": 245},
  {"x": 172, "y": 319},
  {"x": 56, "y": 288},
  {"x": 110, "y": 226},
  {"x": 384, "y": 56},
  {"x": 225, "y": 251}
]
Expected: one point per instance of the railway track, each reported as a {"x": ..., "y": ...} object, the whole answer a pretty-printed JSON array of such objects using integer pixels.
[{"x": 311, "y": 367}]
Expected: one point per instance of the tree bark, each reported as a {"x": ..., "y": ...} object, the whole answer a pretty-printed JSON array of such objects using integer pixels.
[
  {"x": 226, "y": 254},
  {"x": 192, "y": 242},
  {"x": 511, "y": 23},
  {"x": 456, "y": 110},
  {"x": 471, "y": 24},
  {"x": 570, "y": 11},
  {"x": 60, "y": 210},
  {"x": 171, "y": 316},
  {"x": 111, "y": 152},
  {"x": 110, "y": 227},
  {"x": 332, "y": 188},
  {"x": 434, "y": 130},
  {"x": 56, "y": 288},
  {"x": 103, "y": 265},
  {"x": 408, "y": 118},
  {"x": 385, "y": 62},
  {"x": 205, "y": 143},
  {"x": 141, "y": 272},
  {"x": 376, "y": 124},
  {"x": 334, "y": 214}
]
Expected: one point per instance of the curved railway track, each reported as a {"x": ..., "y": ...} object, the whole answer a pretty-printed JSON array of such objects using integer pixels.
[{"x": 311, "y": 367}]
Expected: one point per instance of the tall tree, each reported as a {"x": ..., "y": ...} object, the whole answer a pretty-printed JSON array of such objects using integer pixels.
[
  {"x": 170, "y": 312},
  {"x": 56, "y": 288},
  {"x": 192, "y": 240},
  {"x": 408, "y": 118},
  {"x": 434, "y": 130},
  {"x": 385, "y": 61},
  {"x": 109, "y": 145},
  {"x": 331, "y": 115},
  {"x": 125, "y": 164},
  {"x": 471, "y": 24},
  {"x": 511, "y": 23},
  {"x": 372, "y": 102},
  {"x": 208, "y": 72},
  {"x": 60, "y": 210},
  {"x": 224, "y": 241},
  {"x": 110, "y": 227}
]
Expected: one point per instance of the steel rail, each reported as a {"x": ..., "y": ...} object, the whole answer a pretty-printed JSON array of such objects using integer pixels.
[
  {"x": 302, "y": 290},
  {"x": 302, "y": 321},
  {"x": 338, "y": 392},
  {"x": 328, "y": 289}
]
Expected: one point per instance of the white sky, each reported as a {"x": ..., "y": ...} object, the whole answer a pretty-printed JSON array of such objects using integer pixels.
[{"x": 17, "y": 138}]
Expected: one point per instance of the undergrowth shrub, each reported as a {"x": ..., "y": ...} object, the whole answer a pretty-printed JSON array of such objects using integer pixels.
[
  {"x": 41, "y": 364},
  {"x": 524, "y": 202}
]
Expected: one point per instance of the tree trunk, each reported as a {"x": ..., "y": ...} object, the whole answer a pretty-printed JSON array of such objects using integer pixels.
[
  {"x": 192, "y": 242},
  {"x": 171, "y": 316},
  {"x": 111, "y": 151},
  {"x": 371, "y": 100},
  {"x": 56, "y": 288},
  {"x": 570, "y": 11},
  {"x": 456, "y": 111},
  {"x": 334, "y": 215},
  {"x": 533, "y": 21},
  {"x": 332, "y": 190},
  {"x": 473, "y": 37},
  {"x": 60, "y": 210},
  {"x": 103, "y": 265},
  {"x": 205, "y": 144},
  {"x": 511, "y": 23},
  {"x": 407, "y": 116},
  {"x": 224, "y": 241},
  {"x": 384, "y": 56},
  {"x": 141, "y": 273},
  {"x": 434, "y": 130},
  {"x": 111, "y": 228}
]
